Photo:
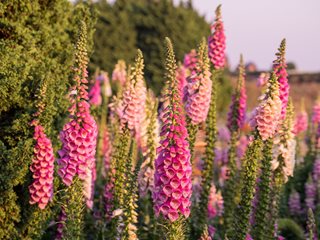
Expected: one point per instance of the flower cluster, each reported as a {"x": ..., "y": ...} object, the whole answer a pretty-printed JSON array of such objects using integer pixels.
[
  {"x": 311, "y": 194},
  {"x": 279, "y": 68},
  {"x": 316, "y": 113},
  {"x": 119, "y": 73},
  {"x": 268, "y": 113},
  {"x": 263, "y": 79},
  {"x": 172, "y": 178},
  {"x": 198, "y": 89},
  {"x": 182, "y": 79},
  {"x": 42, "y": 167},
  {"x": 215, "y": 203},
  {"x": 217, "y": 42},
  {"x": 79, "y": 135}
]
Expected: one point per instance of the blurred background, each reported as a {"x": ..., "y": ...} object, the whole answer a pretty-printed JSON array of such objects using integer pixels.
[{"x": 253, "y": 28}]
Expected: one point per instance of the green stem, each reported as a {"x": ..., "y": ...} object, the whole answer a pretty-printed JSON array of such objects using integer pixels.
[
  {"x": 249, "y": 175},
  {"x": 264, "y": 198},
  {"x": 231, "y": 185}
]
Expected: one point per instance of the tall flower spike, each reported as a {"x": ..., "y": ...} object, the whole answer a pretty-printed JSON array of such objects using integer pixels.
[
  {"x": 132, "y": 107},
  {"x": 294, "y": 203},
  {"x": 301, "y": 121},
  {"x": 280, "y": 69},
  {"x": 79, "y": 135},
  {"x": 316, "y": 112},
  {"x": 198, "y": 89},
  {"x": 172, "y": 190},
  {"x": 217, "y": 42},
  {"x": 237, "y": 112},
  {"x": 119, "y": 73},
  {"x": 42, "y": 167},
  {"x": 182, "y": 78},
  {"x": 268, "y": 112}
]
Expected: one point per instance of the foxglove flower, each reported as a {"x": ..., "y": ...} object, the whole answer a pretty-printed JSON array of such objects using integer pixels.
[
  {"x": 198, "y": 89},
  {"x": 190, "y": 61},
  {"x": 205, "y": 235},
  {"x": 42, "y": 167},
  {"x": 237, "y": 112},
  {"x": 215, "y": 204},
  {"x": 131, "y": 109},
  {"x": 79, "y": 135},
  {"x": 104, "y": 78},
  {"x": 119, "y": 73},
  {"x": 217, "y": 42},
  {"x": 294, "y": 203},
  {"x": 106, "y": 150},
  {"x": 172, "y": 178},
  {"x": 316, "y": 170},
  {"x": 95, "y": 94},
  {"x": 268, "y": 113},
  {"x": 280, "y": 69},
  {"x": 301, "y": 122},
  {"x": 224, "y": 134}
]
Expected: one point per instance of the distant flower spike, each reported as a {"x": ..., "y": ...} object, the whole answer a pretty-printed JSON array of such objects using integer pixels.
[
  {"x": 172, "y": 190},
  {"x": 217, "y": 42},
  {"x": 237, "y": 112},
  {"x": 95, "y": 94},
  {"x": 301, "y": 121},
  {"x": 119, "y": 73},
  {"x": 190, "y": 61}
]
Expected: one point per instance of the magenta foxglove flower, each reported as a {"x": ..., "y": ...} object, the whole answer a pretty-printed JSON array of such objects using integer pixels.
[
  {"x": 268, "y": 113},
  {"x": 316, "y": 171},
  {"x": 172, "y": 179},
  {"x": 79, "y": 135},
  {"x": 198, "y": 89},
  {"x": 217, "y": 42},
  {"x": 95, "y": 94},
  {"x": 190, "y": 61},
  {"x": 42, "y": 167},
  {"x": 248, "y": 237},
  {"x": 119, "y": 73},
  {"x": 280, "y": 69},
  {"x": 108, "y": 198},
  {"x": 106, "y": 151},
  {"x": 215, "y": 203},
  {"x": 294, "y": 203}
]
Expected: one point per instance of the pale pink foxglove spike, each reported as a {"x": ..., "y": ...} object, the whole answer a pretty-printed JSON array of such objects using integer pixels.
[
  {"x": 131, "y": 109},
  {"x": 224, "y": 134},
  {"x": 301, "y": 123},
  {"x": 42, "y": 167},
  {"x": 95, "y": 94},
  {"x": 280, "y": 69},
  {"x": 198, "y": 90},
  {"x": 104, "y": 79},
  {"x": 119, "y": 73},
  {"x": 268, "y": 113},
  {"x": 217, "y": 42},
  {"x": 182, "y": 79}
]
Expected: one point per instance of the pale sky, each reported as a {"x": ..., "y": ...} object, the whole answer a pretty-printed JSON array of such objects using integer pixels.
[{"x": 256, "y": 28}]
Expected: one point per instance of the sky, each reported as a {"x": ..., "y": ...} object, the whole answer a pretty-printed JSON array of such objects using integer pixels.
[{"x": 255, "y": 28}]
